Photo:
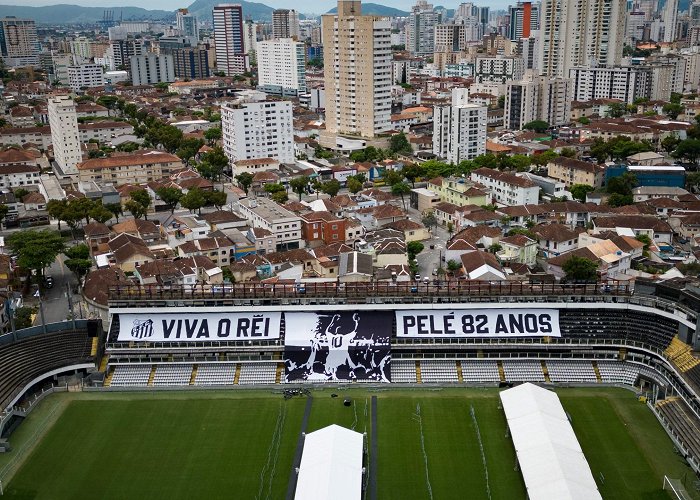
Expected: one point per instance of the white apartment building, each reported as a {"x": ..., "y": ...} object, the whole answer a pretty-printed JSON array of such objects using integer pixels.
[
  {"x": 258, "y": 129},
  {"x": 499, "y": 69},
  {"x": 151, "y": 68},
  {"x": 85, "y": 76},
  {"x": 283, "y": 224},
  {"x": 18, "y": 42},
  {"x": 625, "y": 83},
  {"x": 282, "y": 66},
  {"x": 80, "y": 48},
  {"x": 231, "y": 57},
  {"x": 507, "y": 189},
  {"x": 60, "y": 67},
  {"x": 420, "y": 29},
  {"x": 63, "y": 121},
  {"x": 670, "y": 14},
  {"x": 120, "y": 52},
  {"x": 357, "y": 72},
  {"x": 450, "y": 38},
  {"x": 537, "y": 98},
  {"x": 459, "y": 130},
  {"x": 580, "y": 33}
]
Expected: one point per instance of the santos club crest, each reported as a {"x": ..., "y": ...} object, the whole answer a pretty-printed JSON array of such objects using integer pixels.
[{"x": 142, "y": 329}]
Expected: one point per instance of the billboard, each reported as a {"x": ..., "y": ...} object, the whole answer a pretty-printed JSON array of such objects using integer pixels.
[
  {"x": 478, "y": 323},
  {"x": 343, "y": 345},
  {"x": 199, "y": 327}
]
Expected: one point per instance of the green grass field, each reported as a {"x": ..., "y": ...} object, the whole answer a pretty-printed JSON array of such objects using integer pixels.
[{"x": 240, "y": 444}]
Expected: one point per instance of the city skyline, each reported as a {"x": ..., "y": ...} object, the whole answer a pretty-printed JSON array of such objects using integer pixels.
[{"x": 320, "y": 6}]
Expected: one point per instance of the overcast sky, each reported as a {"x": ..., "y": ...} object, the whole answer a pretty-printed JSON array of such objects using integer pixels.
[{"x": 319, "y": 6}]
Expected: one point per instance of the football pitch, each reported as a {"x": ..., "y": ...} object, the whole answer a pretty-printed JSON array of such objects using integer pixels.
[{"x": 440, "y": 444}]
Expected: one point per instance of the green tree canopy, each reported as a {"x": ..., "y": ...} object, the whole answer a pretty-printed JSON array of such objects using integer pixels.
[
  {"x": 35, "y": 250},
  {"x": 401, "y": 189},
  {"x": 536, "y": 126},
  {"x": 193, "y": 200},
  {"x": 579, "y": 191},
  {"x": 244, "y": 180},
  {"x": 398, "y": 144},
  {"x": 331, "y": 187},
  {"x": 580, "y": 269},
  {"x": 299, "y": 185},
  {"x": 170, "y": 196}
]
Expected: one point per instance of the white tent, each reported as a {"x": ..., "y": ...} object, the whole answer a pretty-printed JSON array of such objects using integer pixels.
[
  {"x": 550, "y": 457},
  {"x": 331, "y": 465}
]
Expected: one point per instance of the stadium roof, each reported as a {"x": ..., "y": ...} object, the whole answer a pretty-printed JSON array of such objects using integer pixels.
[
  {"x": 331, "y": 465},
  {"x": 549, "y": 454}
]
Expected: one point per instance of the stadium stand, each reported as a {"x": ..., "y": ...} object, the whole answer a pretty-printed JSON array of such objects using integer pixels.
[
  {"x": 618, "y": 372},
  {"x": 571, "y": 371},
  {"x": 130, "y": 375},
  {"x": 685, "y": 424},
  {"x": 172, "y": 375},
  {"x": 215, "y": 374},
  {"x": 439, "y": 370},
  {"x": 403, "y": 371},
  {"x": 257, "y": 373},
  {"x": 518, "y": 370},
  {"x": 480, "y": 371},
  {"x": 36, "y": 353}
]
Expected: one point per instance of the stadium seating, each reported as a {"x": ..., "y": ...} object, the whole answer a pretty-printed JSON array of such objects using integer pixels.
[
  {"x": 480, "y": 371},
  {"x": 438, "y": 370},
  {"x": 571, "y": 371},
  {"x": 215, "y": 374},
  {"x": 172, "y": 375},
  {"x": 680, "y": 354},
  {"x": 684, "y": 423},
  {"x": 403, "y": 371},
  {"x": 618, "y": 372},
  {"x": 258, "y": 373},
  {"x": 517, "y": 370},
  {"x": 131, "y": 375},
  {"x": 23, "y": 360}
]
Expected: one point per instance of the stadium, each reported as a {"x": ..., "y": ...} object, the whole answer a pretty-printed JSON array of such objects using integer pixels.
[{"x": 220, "y": 391}]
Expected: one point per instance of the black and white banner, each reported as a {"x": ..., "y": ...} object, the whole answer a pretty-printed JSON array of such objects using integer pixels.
[
  {"x": 199, "y": 327},
  {"x": 478, "y": 323},
  {"x": 343, "y": 345}
]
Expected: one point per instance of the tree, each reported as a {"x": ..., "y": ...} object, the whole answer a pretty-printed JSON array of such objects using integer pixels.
[
  {"x": 568, "y": 152},
  {"x": 413, "y": 248},
  {"x": 536, "y": 126},
  {"x": 413, "y": 171},
  {"x": 644, "y": 238},
  {"x": 193, "y": 200},
  {"x": 620, "y": 200},
  {"x": 688, "y": 150},
  {"x": 622, "y": 184},
  {"x": 354, "y": 186},
  {"x": 672, "y": 110},
  {"x": 188, "y": 149},
  {"x": 212, "y": 135},
  {"x": 81, "y": 207},
  {"x": 580, "y": 269},
  {"x": 429, "y": 220},
  {"x": 450, "y": 230},
  {"x": 143, "y": 199},
  {"x": 21, "y": 193},
  {"x": 100, "y": 214},
  {"x": 35, "y": 250},
  {"x": 244, "y": 180},
  {"x": 4, "y": 209},
  {"x": 453, "y": 266},
  {"x": 274, "y": 187},
  {"x": 116, "y": 209},
  {"x": 617, "y": 110},
  {"x": 392, "y": 177},
  {"x": 331, "y": 187},
  {"x": 170, "y": 196},
  {"x": 23, "y": 317},
  {"x": 578, "y": 191},
  {"x": 495, "y": 248},
  {"x": 670, "y": 143},
  {"x": 137, "y": 211},
  {"x": 217, "y": 161},
  {"x": 401, "y": 189},
  {"x": 215, "y": 198},
  {"x": 398, "y": 144},
  {"x": 56, "y": 210},
  {"x": 279, "y": 197},
  {"x": 299, "y": 185},
  {"x": 79, "y": 267},
  {"x": 79, "y": 251}
]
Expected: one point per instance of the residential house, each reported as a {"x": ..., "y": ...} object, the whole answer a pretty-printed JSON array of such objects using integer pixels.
[
  {"x": 218, "y": 249},
  {"x": 378, "y": 216},
  {"x": 612, "y": 262},
  {"x": 224, "y": 219},
  {"x": 571, "y": 171},
  {"x": 97, "y": 236},
  {"x": 412, "y": 230},
  {"x": 283, "y": 224},
  {"x": 320, "y": 228},
  {"x": 165, "y": 273},
  {"x": 482, "y": 266},
  {"x": 659, "y": 231},
  {"x": 145, "y": 230},
  {"x": 458, "y": 190},
  {"x": 128, "y": 252},
  {"x": 292, "y": 264},
  {"x": 519, "y": 249},
  {"x": 555, "y": 239},
  {"x": 505, "y": 188},
  {"x": 355, "y": 267},
  {"x": 263, "y": 240},
  {"x": 137, "y": 168}
]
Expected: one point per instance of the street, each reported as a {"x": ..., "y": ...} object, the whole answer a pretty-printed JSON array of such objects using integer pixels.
[{"x": 55, "y": 299}]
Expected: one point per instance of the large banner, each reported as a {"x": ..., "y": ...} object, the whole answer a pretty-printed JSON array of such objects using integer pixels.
[
  {"x": 344, "y": 345},
  {"x": 478, "y": 323},
  {"x": 199, "y": 327}
]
